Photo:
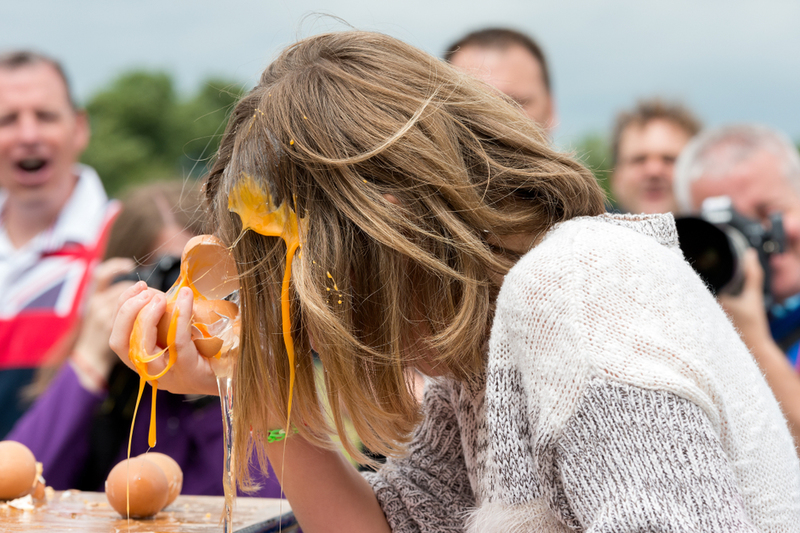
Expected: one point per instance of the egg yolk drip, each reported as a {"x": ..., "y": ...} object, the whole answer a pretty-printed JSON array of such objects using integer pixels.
[
  {"x": 193, "y": 268},
  {"x": 258, "y": 213},
  {"x": 208, "y": 270}
]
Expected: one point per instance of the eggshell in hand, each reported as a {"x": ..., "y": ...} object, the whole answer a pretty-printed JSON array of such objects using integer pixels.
[
  {"x": 17, "y": 470},
  {"x": 210, "y": 267},
  {"x": 208, "y": 347},
  {"x": 149, "y": 489},
  {"x": 204, "y": 312},
  {"x": 171, "y": 469}
]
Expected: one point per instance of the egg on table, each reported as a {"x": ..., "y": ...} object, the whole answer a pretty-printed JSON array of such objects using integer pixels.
[
  {"x": 171, "y": 469},
  {"x": 137, "y": 488},
  {"x": 17, "y": 470}
]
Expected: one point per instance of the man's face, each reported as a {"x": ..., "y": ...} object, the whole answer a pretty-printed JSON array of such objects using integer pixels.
[
  {"x": 642, "y": 180},
  {"x": 41, "y": 135},
  {"x": 513, "y": 71},
  {"x": 758, "y": 188}
]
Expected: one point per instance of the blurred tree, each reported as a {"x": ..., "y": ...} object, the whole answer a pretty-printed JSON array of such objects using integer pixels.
[
  {"x": 594, "y": 151},
  {"x": 142, "y": 130},
  {"x": 205, "y": 117}
]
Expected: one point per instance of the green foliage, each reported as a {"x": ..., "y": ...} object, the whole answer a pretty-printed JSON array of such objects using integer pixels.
[
  {"x": 594, "y": 151},
  {"x": 142, "y": 130}
]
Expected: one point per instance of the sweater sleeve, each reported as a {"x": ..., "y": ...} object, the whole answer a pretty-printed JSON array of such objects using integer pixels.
[
  {"x": 632, "y": 459},
  {"x": 56, "y": 429},
  {"x": 427, "y": 490},
  {"x": 641, "y": 407}
]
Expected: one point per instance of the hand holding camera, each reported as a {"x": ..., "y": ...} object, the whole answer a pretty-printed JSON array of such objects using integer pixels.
[
  {"x": 91, "y": 357},
  {"x": 746, "y": 309}
]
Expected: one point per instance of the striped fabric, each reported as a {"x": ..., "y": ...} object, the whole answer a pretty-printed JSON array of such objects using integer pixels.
[
  {"x": 42, "y": 288},
  {"x": 42, "y": 284}
]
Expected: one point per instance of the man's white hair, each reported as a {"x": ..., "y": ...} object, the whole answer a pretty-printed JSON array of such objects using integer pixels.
[{"x": 714, "y": 152}]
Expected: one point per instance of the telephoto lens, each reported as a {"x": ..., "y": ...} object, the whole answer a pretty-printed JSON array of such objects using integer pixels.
[
  {"x": 715, "y": 242},
  {"x": 715, "y": 252}
]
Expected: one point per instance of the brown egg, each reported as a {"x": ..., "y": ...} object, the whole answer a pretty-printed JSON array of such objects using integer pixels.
[
  {"x": 204, "y": 312},
  {"x": 171, "y": 469},
  {"x": 17, "y": 470},
  {"x": 149, "y": 488}
]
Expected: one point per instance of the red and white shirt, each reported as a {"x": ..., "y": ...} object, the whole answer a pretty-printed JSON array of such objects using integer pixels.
[{"x": 44, "y": 283}]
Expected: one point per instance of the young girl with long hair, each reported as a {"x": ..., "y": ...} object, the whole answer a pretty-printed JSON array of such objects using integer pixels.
[{"x": 583, "y": 376}]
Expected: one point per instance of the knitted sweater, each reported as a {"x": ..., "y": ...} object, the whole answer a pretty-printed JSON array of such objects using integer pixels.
[{"x": 618, "y": 397}]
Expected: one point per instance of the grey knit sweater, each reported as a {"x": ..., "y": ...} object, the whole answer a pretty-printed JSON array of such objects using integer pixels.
[{"x": 618, "y": 397}]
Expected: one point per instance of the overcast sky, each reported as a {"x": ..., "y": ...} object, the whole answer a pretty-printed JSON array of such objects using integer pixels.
[{"x": 730, "y": 60}]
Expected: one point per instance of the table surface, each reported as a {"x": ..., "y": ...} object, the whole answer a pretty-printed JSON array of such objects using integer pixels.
[{"x": 90, "y": 512}]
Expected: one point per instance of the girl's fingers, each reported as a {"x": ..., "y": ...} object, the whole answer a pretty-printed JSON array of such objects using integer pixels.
[
  {"x": 148, "y": 320},
  {"x": 183, "y": 335},
  {"x": 191, "y": 373},
  {"x": 131, "y": 291},
  {"x": 129, "y": 309}
]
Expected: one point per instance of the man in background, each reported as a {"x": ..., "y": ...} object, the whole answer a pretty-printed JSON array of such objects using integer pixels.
[
  {"x": 759, "y": 170},
  {"x": 514, "y": 64},
  {"x": 53, "y": 213},
  {"x": 646, "y": 141}
]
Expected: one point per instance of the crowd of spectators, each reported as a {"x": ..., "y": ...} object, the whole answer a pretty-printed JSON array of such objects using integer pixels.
[{"x": 57, "y": 227}]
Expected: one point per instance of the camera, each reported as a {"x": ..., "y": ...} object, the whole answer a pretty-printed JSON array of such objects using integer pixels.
[
  {"x": 161, "y": 275},
  {"x": 715, "y": 243}
]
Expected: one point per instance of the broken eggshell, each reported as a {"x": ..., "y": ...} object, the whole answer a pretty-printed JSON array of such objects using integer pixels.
[
  {"x": 208, "y": 266},
  {"x": 205, "y": 313},
  {"x": 209, "y": 270}
]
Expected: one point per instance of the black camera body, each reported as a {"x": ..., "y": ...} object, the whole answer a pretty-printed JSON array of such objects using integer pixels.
[
  {"x": 161, "y": 275},
  {"x": 715, "y": 242}
]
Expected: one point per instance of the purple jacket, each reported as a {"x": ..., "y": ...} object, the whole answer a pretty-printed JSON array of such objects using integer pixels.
[{"x": 57, "y": 429}]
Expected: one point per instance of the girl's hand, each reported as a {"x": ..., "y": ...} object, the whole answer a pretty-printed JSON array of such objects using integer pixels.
[{"x": 191, "y": 373}]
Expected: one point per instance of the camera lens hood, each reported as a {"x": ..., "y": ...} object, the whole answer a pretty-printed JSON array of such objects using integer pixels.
[{"x": 715, "y": 252}]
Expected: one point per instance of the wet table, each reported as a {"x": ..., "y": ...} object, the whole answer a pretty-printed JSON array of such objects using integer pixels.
[{"x": 90, "y": 512}]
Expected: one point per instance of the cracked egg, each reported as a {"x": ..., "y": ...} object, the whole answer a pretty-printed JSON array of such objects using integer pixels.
[{"x": 208, "y": 269}]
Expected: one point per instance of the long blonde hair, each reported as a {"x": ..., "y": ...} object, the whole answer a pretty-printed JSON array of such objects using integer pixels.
[{"x": 407, "y": 174}]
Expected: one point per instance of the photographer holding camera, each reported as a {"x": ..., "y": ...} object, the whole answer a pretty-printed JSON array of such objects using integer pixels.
[{"x": 732, "y": 174}]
